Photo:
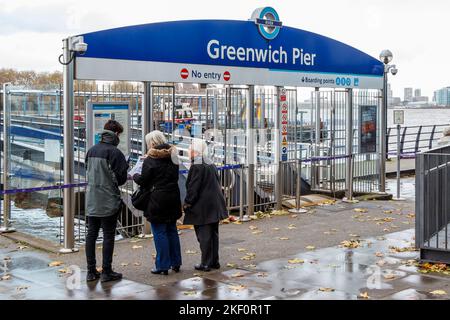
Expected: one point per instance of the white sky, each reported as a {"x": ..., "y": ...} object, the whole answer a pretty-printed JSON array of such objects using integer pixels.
[{"x": 416, "y": 31}]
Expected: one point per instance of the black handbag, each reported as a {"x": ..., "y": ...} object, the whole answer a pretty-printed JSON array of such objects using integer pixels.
[{"x": 140, "y": 198}]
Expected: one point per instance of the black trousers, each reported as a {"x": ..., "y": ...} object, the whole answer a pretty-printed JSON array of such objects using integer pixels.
[
  {"x": 208, "y": 238},
  {"x": 108, "y": 225}
]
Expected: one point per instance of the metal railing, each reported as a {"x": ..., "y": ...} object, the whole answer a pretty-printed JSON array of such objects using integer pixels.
[{"x": 433, "y": 204}]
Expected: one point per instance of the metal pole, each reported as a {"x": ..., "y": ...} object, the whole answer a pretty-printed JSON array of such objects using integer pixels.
[
  {"x": 277, "y": 148},
  {"x": 241, "y": 193},
  {"x": 68, "y": 165},
  {"x": 250, "y": 151},
  {"x": 398, "y": 198},
  {"x": 383, "y": 135},
  {"x": 298, "y": 189},
  {"x": 147, "y": 126},
  {"x": 5, "y": 227},
  {"x": 349, "y": 146},
  {"x": 317, "y": 141}
]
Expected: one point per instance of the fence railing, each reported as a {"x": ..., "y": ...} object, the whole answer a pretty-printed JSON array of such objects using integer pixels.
[{"x": 433, "y": 204}]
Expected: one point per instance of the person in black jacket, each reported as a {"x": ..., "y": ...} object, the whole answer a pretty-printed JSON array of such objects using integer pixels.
[
  {"x": 160, "y": 175},
  {"x": 204, "y": 205},
  {"x": 106, "y": 171}
]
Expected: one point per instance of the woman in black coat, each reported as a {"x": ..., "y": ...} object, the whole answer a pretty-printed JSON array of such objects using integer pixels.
[
  {"x": 204, "y": 205},
  {"x": 160, "y": 175}
]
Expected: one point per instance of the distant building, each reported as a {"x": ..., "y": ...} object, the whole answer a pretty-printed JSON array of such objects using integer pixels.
[
  {"x": 417, "y": 93},
  {"x": 408, "y": 96},
  {"x": 420, "y": 99},
  {"x": 442, "y": 97}
]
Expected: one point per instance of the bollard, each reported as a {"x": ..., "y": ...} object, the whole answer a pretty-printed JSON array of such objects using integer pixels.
[
  {"x": 398, "y": 198},
  {"x": 298, "y": 190}
]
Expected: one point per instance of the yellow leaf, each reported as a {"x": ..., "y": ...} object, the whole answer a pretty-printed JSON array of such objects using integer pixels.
[
  {"x": 250, "y": 266},
  {"x": 360, "y": 210},
  {"x": 136, "y": 247},
  {"x": 326, "y": 289},
  {"x": 296, "y": 261},
  {"x": 55, "y": 263},
  {"x": 253, "y": 227},
  {"x": 276, "y": 229},
  {"x": 237, "y": 287},
  {"x": 438, "y": 292},
  {"x": 190, "y": 252},
  {"x": 137, "y": 264},
  {"x": 283, "y": 238},
  {"x": 231, "y": 265},
  {"x": 241, "y": 250},
  {"x": 387, "y": 211},
  {"x": 379, "y": 254},
  {"x": 364, "y": 295},
  {"x": 190, "y": 293},
  {"x": 389, "y": 276},
  {"x": 257, "y": 232},
  {"x": 22, "y": 247},
  {"x": 294, "y": 216},
  {"x": 65, "y": 270},
  {"x": 310, "y": 247},
  {"x": 237, "y": 275},
  {"x": 124, "y": 264},
  {"x": 237, "y": 222}
]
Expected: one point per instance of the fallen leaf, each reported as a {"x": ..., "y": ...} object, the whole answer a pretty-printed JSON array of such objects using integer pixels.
[
  {"x": 438, "y": 292},
  {"x": 136, "y": 247},
  {"x": 253, "y": 227},
  {"x": 249, "y": 256},
  {"x": 5, "y": 277},
  {"x": 237, "y": 222},
  {"x": 55, "y": 263},
  {"x": 354, "y": 235},
  {"x": 276, "y": 229},
  {"x": 389, "y": 276},
  {"x": 190, "y": 293},
  {"x": 294, "y": 216},
  {"x": 190, "y": 252},
  {"x": 283, "y": 238},
  {"x": 237, "y": 275},
  {"x": 22, "y": 247},
  {"x": 364, "y": 295},
  {"x": 257, "y": 232},
  {"x": 310, "y": 247},
  {"x": 360, "y": 210},
  {"x": 326, "y": 289},
  {"x": 231, "y": 265},
  {"x": 22, "y": 288},
  {"x": 262, "y": 274},
  {"x": 296, "y": 261},
  {"x": 241, "y": 250},
  {"x": 387, "y": 211},
  {"x": 238, "y": 287},
  {"x": 65, "y": 270},
  {"x": 350, "y": 243},
  {"x": 250, "y": 266},
  {"x": 124, "y": 264},
  {"x": 379, "y": 254},
  {"x": 381, "y": 263},
  {"x": 197, "y": 274},
  {"x": 137, "y": 264}
]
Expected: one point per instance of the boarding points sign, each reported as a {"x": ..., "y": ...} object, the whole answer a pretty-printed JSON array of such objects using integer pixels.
[
  {"x": 258, "y": 51},
  {"x": 98, "y": 113},
  {"x": 284, "y": 123}
]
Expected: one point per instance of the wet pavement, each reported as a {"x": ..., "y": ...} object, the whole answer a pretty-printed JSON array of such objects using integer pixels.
[{"x": 376, "y": 268}]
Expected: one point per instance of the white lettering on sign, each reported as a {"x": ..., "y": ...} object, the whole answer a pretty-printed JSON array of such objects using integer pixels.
[{"x": 218, "y": 51}]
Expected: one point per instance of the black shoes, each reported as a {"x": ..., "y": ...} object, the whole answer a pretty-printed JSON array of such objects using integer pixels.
[
  {"x": 92, "y": 275},
  {"x": 201, "y": 267},
  {"x": 216, "y": 266},
  {"x": 176, "y": 269},
  {"x": 163, "y": 272},
  {"x": 110, "y": 276}
]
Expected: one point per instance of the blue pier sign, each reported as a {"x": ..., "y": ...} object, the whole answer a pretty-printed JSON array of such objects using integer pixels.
[{"x": 260, "y": 51}]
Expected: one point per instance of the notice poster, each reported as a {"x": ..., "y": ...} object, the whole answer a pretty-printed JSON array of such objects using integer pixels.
[
  {"x": 368, "y": 129},
  {"x": 100, "y": 113}
]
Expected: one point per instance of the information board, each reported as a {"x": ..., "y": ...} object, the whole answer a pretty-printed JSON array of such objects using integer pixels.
[
  {"x": 98, "y": 113},
  {"x": 399, "y": 116},
  {"x": 368, "y": 128}
]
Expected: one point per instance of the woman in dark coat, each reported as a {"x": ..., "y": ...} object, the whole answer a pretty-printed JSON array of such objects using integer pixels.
[
  {"x": 160, "y": 175},
  {"x": 204, "y": 205}
]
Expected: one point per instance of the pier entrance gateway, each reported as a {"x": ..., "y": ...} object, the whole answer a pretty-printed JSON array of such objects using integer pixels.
[{"x": 265, "y": 98}]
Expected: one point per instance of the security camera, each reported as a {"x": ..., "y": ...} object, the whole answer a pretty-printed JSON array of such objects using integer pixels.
[
  {"x": 394, "y": 71},
  {"x": 80, "y": 47},
  {"x": 77, "y": 44}
]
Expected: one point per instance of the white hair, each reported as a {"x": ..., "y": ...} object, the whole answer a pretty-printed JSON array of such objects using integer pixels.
[
  {"x": 155, "y": 138},
  {"x": 199, "y": 146}
]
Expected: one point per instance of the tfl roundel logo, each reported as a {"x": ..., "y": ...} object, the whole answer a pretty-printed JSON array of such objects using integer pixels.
[{"x": 267, "y": 21}]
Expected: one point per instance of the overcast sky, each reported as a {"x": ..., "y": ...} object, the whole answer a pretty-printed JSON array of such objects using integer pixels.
[{"x": 416, "y": 31}]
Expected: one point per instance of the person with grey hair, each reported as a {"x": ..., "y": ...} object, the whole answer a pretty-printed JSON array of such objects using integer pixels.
[
  {"x": 204, "y": 205},
  {"x": 445, "y": 139},
  {"x": 159, "y": 178}
]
